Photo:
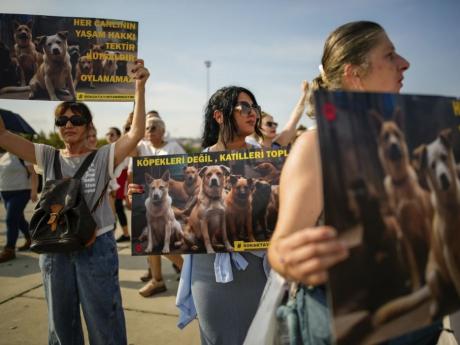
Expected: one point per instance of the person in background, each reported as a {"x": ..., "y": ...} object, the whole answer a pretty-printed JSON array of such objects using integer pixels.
[
  {"x": 18, "y": 185},
  {"x": 91, "y": 139},
  {"x": 155, "y": 144},
  {"x": 119, "y": 187},
  {"x": 270, "y": 138}
]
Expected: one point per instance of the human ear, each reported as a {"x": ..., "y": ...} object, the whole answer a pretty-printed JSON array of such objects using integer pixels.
[
  {"x": 352, "y": 78},
  {"x": 218, "y": 116}
]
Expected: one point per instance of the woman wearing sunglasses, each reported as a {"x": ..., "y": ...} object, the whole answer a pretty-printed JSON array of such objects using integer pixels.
[
  {"x": 270, "y": 137},
  {"x": 224, "y": 288},
  {"x": 87, "y": 278}
]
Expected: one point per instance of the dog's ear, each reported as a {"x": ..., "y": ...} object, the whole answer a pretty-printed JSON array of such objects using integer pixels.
[
  {"x": 40, "y": 42},
  {"x": 446, "y": 137},
  {"x": 398, "y": 117},
  {"x": 420, "y": 161},
  {"x": 377, "y": 119},
  {"x": 63, "y": 34},
  {"x": 16, "y": 24},
  {"x": 232, "y": 179},
  {"x": 225, "y": 169},
  {"x": 148, "y": 178},
  {"x": 165, "y": 176},
  {"x": 29, "y": 24},
  {"x": 202, "y": 171}
]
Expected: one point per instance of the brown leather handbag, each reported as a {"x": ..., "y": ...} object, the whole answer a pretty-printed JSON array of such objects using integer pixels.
[{"x": 62, "y": 221}]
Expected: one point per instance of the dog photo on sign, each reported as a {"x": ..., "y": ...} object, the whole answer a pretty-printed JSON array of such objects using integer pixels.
[
  {"x": 391, "y": 182},
  {"x": 207, "y": 202}
]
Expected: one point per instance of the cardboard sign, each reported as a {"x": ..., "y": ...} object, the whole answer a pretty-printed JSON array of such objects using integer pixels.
[
  {"x": 206, "y": 202},
  {"x": 392, "y": 189},
  {"x": 66, "y": 58}
]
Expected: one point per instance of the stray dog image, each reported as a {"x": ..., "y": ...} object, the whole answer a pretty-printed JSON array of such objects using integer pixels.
[
  {"x": 238, "y": 208},
  {"x": 25, "y": 52},
  {"x": 437, "y": 162},
  {"x": 218, "y": 199},
  {"x": 54, "y": 76},
  {"x": 162, "y": 226},
  {"x": 84, "y": 67},
  {"x": 74, "y": 53},
  {"x": 391, "y": 190},
  {"x": 268, "y": 173},
  {"x": 407, "y": 199},
  {"x": 207, "y": 221},
  {"x": 98, "y": 68}
]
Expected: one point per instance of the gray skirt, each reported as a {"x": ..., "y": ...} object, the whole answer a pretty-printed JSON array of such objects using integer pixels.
[{"x": 225, "y": 310}]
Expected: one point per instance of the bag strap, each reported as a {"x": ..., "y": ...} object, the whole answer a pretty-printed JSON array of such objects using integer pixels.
[
  {"x": 99, "y": 201},
  {"x": 24, "y": 165},
  {"x": 80, "y": 172}
]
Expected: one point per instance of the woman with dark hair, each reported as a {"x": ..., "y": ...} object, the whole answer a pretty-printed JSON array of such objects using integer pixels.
[
  {"x": 86, "y": 278},
  {"x": 224, "y": 288}
]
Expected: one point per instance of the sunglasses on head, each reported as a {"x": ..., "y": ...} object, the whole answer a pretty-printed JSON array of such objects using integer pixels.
[
  {"x": 75, "y": 120},
  {"x": 245, "y": 108},
  {"x": 271, "y": 124}
]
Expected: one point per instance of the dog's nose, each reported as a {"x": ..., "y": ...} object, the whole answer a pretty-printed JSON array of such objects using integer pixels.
[
  {"x": 214, "y": 182},
  {"x": 156, "y": 197},
  {"x": 395, "y": 153},
  {"x": 56, "y": 51},
  {"x": 22, "y": 35},
  {"x": 445, "y": 183}
]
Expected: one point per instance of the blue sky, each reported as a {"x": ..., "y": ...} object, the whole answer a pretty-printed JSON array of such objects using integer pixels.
[{"x": 267, "y": 46}]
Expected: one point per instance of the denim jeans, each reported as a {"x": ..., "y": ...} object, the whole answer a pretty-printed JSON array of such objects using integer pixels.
[
  {"x": 15, "y": 203},
  {"x": 88, "y": 278}
]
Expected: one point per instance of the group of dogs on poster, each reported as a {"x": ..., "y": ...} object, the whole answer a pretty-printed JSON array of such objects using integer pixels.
[
  {"x": 422, "y": 189},
  {"x": 210, "y": 208},
  {"x": 48, "y": 67}
]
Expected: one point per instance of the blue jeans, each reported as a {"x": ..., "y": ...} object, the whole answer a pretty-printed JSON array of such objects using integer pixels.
[
  {"x": 90, "y": 278},
  {"x": 15, "y": 203}
]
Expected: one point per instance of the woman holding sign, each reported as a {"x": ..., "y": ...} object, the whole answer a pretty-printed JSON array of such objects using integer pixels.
[
  {"x": 89, "y": 277},
  {"x": 357, "y": 56}
]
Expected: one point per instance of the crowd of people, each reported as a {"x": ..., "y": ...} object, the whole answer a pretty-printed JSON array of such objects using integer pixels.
[{"x": 222, "y": 290}]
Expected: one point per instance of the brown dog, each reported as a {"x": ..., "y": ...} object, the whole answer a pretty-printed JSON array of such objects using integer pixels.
[
  {"x": 54, "y": 76},
  {"x": 443, "y": 270},
  {"x": 183, "y": 191},
  {"x": 238, "y": 208},
  {"x": 207, "y": 218},
  {"x": 96, "y": 50},
  {"x": 407, "y": 199},
  {"x": 268, "y": 172},
  {"x": 25, "y": 52},
  {"x": 261, "y": 197},
  {"x": 84, "y": 67},
  {"x": 161, "y": 224}
]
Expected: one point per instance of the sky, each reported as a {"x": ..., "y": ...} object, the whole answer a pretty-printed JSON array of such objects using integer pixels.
[{"x": 267, "y": 46}]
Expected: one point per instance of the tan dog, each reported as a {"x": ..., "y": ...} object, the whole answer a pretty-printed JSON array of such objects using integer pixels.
[
  {"x": 407, "y": 199},
  {"x": 443, "y": 270},
  {"x": 162, "y": 226},
  {"x": 238, "y": 208},
  {"x": 97, "y": 49},
  {"x": 54, "y": 76},
  {"x": 84, "y": 67},
  {"x": 109, "y": 65},
  {"x": 183, "y": 191},
  {"x": 25, "y": 52},
  {"x": 207, "y": 218},
  {"x": 268, "y": 172}
]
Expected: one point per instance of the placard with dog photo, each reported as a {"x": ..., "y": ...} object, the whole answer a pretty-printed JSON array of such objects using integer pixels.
[
  {"x": 206, "y": 202},
  {"x": 392, "y": 189},
  {"x": 66, "y": 58}
]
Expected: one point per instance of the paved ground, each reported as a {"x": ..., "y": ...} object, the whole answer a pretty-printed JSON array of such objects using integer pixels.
[{"x": 23, "y": 318}]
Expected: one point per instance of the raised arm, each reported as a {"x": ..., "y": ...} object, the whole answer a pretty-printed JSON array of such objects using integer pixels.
[
  {"x": 298, "y": 250},
  {"x": 289, "y": 131},
  {"x": 127, "y": 143},
  {"x": 16, "y": 144}
]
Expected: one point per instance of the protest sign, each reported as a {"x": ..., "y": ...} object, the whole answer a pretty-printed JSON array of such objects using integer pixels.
[
  {"x": 206, "y": 202},
  {"x": 392, "y": 189},
  {"x": 66, "y": 58}
]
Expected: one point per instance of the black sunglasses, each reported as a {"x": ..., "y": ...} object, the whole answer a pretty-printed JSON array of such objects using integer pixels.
[
  {"x": 271, "y": 124},
  {"x": 245, "y": 108},
  {"x": 75, "y": 120}
]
